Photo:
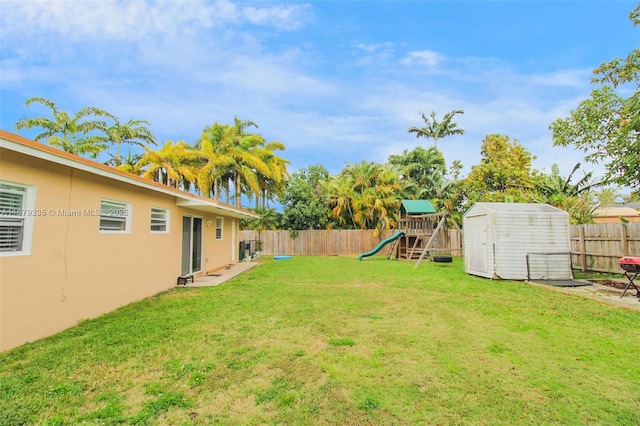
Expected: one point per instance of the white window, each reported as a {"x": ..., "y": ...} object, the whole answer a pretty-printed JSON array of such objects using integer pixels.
[
  {"x": 115, "y": 216},
  {"x": 159, "y": 220},
  {"x": 219, "y": 225},
  {"x": 17, "y": 211}
]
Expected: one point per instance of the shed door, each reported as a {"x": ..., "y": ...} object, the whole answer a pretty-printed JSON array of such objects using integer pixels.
[{"x": 477, "y": 250}]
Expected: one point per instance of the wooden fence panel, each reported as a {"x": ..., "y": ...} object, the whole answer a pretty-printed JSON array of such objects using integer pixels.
[
  {"x": 594, "y": 247},
  {"x": 333, "y": 242},
  {"x": 599, "y": 247}
]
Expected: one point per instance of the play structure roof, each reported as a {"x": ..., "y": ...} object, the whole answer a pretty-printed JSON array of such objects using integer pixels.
[{"x": 417, "y": 207}]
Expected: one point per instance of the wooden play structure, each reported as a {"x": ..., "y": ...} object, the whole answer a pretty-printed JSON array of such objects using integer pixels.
[{"x": 424, "y": 232}]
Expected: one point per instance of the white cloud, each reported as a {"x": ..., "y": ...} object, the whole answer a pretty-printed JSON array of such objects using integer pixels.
[
  {"x": 566, "y": 78},
  {"x": 139, "y": 20},
  {"x": 370, "y": 48},
  {"x": 288, "y": 17},
  {"x": 184, "y": 64},
  {"x": 423, "y": 57}
]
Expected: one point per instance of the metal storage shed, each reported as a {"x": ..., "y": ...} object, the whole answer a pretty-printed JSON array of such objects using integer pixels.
[{"x": 517, "y": 241}]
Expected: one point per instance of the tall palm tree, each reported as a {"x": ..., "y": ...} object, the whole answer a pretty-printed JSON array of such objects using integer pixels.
[
  {"x": 248, "y": 164},
  {"x": 133, "y": 132},
  {"x": 273, "y": 184},
  {"x": 232, "y": 158},
  {"x": 172, "y": 165},
  {"x": 438, "y": 130},
  {"x": 214, "y": 162},
  {"x": 69, "y": 133}
]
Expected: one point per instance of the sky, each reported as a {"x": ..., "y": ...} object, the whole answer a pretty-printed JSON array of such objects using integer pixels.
[{"x": 337, "y": 82}]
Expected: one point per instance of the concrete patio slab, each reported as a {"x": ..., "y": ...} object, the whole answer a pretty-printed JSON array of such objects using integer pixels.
[
  {"x": 600, "y": 293},
  {"x": 221, "y": 275}
]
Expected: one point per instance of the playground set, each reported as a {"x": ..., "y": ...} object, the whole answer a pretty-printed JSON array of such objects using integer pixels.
[{"x": 420, "y": 234}]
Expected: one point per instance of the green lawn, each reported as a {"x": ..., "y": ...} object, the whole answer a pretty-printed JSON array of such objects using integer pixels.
[{"x": 330, "y": 340}]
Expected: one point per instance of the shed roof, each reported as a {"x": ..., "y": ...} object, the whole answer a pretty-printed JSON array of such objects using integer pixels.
[
  {"x": 417, "y": 206},
  {"x": 515, "y": 208}
]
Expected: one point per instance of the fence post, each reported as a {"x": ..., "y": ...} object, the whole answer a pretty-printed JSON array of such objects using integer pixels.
[
  {"x": 623, "y": 240},
  {"x": 582, "y": 247}
]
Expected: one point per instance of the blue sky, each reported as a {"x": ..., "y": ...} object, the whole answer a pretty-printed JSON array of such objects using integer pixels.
[{"x": 336, "y": 81}]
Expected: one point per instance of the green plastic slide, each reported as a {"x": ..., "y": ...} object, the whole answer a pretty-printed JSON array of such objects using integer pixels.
[{"x": 382, "y": 244}]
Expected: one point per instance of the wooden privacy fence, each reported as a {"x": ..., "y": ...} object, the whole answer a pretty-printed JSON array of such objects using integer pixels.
[
  {"x": 595, "y": 247},
  {"x": 333, "y": 242},
  {"x": 599, "y": 247}
]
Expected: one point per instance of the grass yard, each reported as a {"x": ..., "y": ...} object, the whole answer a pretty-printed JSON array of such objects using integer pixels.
[{"x": 330, "y": 340}]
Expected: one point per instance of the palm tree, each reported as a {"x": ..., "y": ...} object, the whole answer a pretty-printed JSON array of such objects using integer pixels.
[
  {"x": 273, "y": 184},
  {"x": 366, "y": 194},
  {"x": 127, "y": 164},
  {"x": 214, "y": 161},
  {"x": 442, "y": 192},
  {"x": 375, "y": 202},
  {"x": 230, "y": 157},
  {"x": 66, "y": 132},
  {"x": 133, "y": 132},
  {"x": 416, "y": 167},
  {"x": 574, "y": 198},
  {"x": 172, "y": 165},
  {"x": 608, "y": 196},
  {"x": 555, "y": 185},
  {"x": 438, "y": 130},
  {"x": 249, "y": 165},
  {"x": 340, "y": 196}
]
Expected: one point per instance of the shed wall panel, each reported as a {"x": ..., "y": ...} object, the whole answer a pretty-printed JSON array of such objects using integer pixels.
[{"x": 514, "y": 231}]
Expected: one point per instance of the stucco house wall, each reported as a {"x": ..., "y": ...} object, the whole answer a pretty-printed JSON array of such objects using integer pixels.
[
  {"x": 615, "y": 215},
  {"x": 75, "y": 271}
]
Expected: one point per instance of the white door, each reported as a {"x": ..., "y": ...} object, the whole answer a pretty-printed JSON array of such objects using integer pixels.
[{"x": 477, "y": 249}]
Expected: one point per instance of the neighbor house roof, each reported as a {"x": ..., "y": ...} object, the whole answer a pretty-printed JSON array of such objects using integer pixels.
[
  {"x": 616, "y": 212},
  {"x": 417, "y": 206},
  {"x": 13, "y": 142}
]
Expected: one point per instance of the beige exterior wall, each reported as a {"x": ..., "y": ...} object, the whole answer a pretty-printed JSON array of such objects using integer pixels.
[
  {"x": 615, "y": 219},
  {"x": 74, "y": 271}
]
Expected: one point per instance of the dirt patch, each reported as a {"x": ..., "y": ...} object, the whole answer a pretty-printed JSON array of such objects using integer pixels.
[{"x": 611, "y": 283}]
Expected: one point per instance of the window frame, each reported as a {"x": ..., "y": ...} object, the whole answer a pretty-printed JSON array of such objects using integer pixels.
[
  {"x": 164, "y": 220},
  {"x": 27, "y": 214},
  {"x": 219, "y": 227},
  {"x": 116, "y": 205}
]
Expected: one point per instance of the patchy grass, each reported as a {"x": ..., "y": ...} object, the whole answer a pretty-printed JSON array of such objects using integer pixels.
[
  {"x": 305, "y": 341},
  {"x": 579, "y": 275}
]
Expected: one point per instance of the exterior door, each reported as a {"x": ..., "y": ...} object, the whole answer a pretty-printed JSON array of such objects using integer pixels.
[
  {"x": 191, "y": 245},
  {"x": 477, "y": 250}
]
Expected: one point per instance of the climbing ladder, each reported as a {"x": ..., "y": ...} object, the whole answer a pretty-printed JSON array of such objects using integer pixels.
[{"x": 393, "y": 248}]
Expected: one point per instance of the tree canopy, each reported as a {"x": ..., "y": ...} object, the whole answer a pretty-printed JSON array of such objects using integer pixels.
[
  {"x": 303, "y": 202},
  {"x": 438, "y": 129},
  {"x": 71, "y": 133},
  {"x": 607, "y": 125}
]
